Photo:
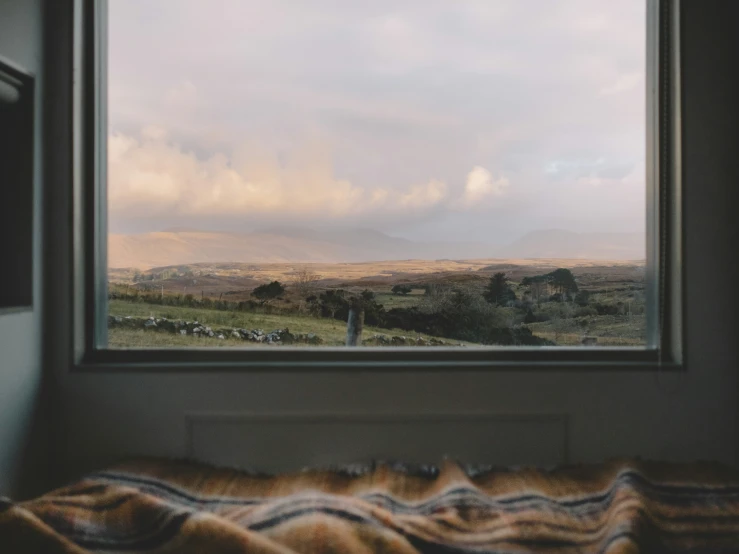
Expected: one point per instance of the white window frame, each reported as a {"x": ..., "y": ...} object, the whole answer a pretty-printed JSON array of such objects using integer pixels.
[{"x": 87, "y": 341}]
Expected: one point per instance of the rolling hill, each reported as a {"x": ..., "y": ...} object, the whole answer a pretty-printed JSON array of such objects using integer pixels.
[
  {"x": 276, "y": 245},
  {"x": 185, "y": 246}
]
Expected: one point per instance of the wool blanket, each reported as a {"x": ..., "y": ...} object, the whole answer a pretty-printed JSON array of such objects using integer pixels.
[{"x": 165, "y": 507}]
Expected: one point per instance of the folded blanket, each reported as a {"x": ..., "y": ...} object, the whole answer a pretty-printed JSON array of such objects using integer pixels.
[{"x": 166, "y": 507}]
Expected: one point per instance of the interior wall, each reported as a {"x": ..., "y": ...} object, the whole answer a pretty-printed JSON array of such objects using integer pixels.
[
  {"x": 22, "y": 430},
  {"x": 673, "y": 416}
]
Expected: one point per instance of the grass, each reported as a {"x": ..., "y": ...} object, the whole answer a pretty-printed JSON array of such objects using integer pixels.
[
  {"x": 138, "y": 338},
  {"x": 610, "y": 330},
  {"x": 332, "y": 331},
  {"x": 574, "y": 339},
  {"x": 390, "y": 300}
]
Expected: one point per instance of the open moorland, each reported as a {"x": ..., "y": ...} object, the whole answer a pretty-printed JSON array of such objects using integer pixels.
[{"x": 506, "y": 302}]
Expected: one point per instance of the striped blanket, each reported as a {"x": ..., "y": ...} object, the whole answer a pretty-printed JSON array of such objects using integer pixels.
[{"x": 167, "y": 507}]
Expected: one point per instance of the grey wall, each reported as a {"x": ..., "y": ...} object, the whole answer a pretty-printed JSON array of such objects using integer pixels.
[
  {"x": 686, "y": 416},
  {"x": 22, "y": 432}
]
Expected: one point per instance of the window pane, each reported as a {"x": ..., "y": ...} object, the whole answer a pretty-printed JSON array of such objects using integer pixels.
[{"x": 388, "y": 173}]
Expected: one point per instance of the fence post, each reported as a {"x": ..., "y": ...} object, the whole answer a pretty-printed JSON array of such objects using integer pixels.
[{"x": 354, "y": 326}]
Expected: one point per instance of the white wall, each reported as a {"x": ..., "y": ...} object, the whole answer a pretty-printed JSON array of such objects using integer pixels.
[
  {"x": 22, "y": 432},
  {"x": 685, "y": 416}
]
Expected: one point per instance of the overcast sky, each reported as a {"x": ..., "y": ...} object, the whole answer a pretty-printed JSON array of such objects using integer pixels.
[{"x": 429, "y": 119}]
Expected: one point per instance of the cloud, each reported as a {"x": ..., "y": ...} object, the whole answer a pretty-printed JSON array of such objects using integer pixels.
[
  {"x": 154, "y": 132},
  {"x": 632, "y": 178},
  {"x": 411, "y": 96},
  {"x": 151, "y": 177},
  {"x": 581, "y": 170},
  {"x": 481, "y": 187}
]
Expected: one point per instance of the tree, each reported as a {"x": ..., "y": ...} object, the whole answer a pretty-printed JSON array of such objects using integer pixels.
[
  {"x": 498, "y": 291},
  {"x": 305, "y": 281},
  {"x": 538, "y": 287},
  {"x": 529, "y": 318},
  {"x": 268, "y": 291},
  {"x": 582, "y": 298},
  {"x": 563, "y": 280},
  {"x": 331, "y": 302},
  {"x": 401, "y": 289},
  {"x": 374, "y": 313},
  {"x": 367, "y": 295}
]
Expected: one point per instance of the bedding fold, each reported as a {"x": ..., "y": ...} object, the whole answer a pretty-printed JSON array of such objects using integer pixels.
[{"x": 163, "y": 507}]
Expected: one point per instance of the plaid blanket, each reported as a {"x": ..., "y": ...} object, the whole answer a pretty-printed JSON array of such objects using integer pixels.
[{"x": 167, "y": 507}]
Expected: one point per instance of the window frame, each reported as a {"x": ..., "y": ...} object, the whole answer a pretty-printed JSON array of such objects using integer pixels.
[{"x": 664, "y": 271}]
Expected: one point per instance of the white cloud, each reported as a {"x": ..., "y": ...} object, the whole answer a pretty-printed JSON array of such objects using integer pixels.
[
  {"x": 481, "y": 187},
  {"x": 151, "y": 177},
  {"x": 154, "y": 132},
  {"x": 409, "y": 94}
]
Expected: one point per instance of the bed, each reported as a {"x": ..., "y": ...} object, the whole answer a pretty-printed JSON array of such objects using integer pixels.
[{"x": 160, "y": 506}]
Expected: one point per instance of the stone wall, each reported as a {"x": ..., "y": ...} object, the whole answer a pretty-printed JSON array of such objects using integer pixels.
[
  {"x": 277, "y": 337},
  {"x": 196, "y": 329}
]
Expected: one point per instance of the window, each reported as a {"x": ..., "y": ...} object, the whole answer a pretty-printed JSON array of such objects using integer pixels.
[{"x": 467, "y": 180}]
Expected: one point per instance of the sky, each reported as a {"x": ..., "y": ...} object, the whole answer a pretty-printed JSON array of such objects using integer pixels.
[{"x": 427, "y": 119}]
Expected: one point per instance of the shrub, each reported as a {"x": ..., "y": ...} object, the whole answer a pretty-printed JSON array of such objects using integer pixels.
[
  {"x": 605, "y": 309},
  {"x": 367, "y": 296},
  {"x": 518, "y": 336},
  {"x": 587, "y": 311},
  {"x": 460, "y": 314},
  {"x": 329, "y": 304},
  {"x": 269, "y": 291},
  {"x": 582, "y": 298},
  {"x": 401, "y": 289},
  {"x": 305, "y": 281},
  {"x": 530, "y": 317}
]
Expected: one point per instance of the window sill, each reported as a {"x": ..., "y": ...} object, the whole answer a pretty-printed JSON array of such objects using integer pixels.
[{"x": 375, "y": 359}]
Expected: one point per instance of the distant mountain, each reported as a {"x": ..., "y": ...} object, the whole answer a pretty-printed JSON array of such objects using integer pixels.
[
  {"x": 557, "y": 243},
  {"x": 184, "y": 246},
  {"x": 273, "y": 245}
]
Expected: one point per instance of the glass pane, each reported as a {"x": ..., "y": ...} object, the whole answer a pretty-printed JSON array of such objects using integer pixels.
[{"x": 387, "y": 173}]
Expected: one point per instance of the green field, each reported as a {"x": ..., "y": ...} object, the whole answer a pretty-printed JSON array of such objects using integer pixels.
[
  {"x": 610, "y": 330},
  {"x": 138, "y": 338},
  {"x": 390, "y": 300},
  {"x": 605, "y": 304},
  {"x": 332, "y": 331}
]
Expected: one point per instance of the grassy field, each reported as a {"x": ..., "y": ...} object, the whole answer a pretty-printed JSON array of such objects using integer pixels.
[
  {"x": 138, "y": 338},
  {"x": 610, "y": 330},
  {"x": 236, "y": 280},
  {"x": 612, "y": 310},
  {"x": 332, "y": 331},
  {"x": 390, "y": 300},
  {"x": 575, "y": 339}
]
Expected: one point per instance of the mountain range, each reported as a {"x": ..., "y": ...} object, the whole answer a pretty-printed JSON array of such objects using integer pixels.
[{"x": 273, "y": 245}]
